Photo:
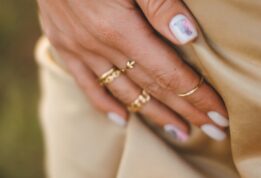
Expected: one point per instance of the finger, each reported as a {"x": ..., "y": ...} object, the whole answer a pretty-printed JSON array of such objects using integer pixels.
[
  {"x": 204, "y": 108},
  {"x": 201, "y": 109},
  {"x": 143, "y": 80},
  {"x": 207, "y": 100},
  {"x": 97, "y": 95},
  {"x": 171, "y": 18},
  {"x": 126, "y": 91}
]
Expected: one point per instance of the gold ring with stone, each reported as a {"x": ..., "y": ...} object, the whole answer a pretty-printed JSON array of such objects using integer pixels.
[
  {"x": 129, "y": 65},
  {"x": 139, "y": 102},
  {"x": 109, "y": 76},
  {"x": 194, "y": 89}
]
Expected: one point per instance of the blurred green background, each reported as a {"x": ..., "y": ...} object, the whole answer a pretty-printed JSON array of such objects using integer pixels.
[{"x": 21, "y": 153}]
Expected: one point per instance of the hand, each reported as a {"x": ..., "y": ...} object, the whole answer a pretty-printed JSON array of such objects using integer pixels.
[{"x": 93, "y": 36}]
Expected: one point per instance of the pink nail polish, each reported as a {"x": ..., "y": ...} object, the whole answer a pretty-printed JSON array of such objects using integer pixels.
[{"x": 176, "y": 133}]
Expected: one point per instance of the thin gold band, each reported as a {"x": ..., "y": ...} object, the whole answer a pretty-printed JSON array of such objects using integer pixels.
[
  {"x": 194, "y": 89},
  {"x": 139, "y": 102}
]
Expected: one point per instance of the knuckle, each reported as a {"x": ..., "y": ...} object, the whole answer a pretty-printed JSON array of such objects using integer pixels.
[
  {"x": 109, "y": 34},
  {"x": 156, "y": 7},
  {"x": 167, "y": 80},
  {"x": 108, "y": 31},
  {"x": 154, "y": 89}
]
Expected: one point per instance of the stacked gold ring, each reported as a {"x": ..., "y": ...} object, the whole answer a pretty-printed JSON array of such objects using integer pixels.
[
  {"x": 109, "y": 76},
  {"x": 139, "y": 102},
  {"x": 114, "y": 73}
]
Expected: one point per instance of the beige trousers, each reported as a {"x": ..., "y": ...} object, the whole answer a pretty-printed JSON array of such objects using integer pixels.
[{"x": 83, "y": 143}]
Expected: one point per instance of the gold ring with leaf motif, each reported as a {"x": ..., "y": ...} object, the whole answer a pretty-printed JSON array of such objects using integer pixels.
[{"x": 129, "y": 65}]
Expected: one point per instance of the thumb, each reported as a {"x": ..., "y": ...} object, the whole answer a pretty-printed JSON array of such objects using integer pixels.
[{"x": 171, "y": 19}]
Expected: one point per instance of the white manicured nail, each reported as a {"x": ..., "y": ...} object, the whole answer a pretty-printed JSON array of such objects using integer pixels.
[
  {"x": 213, "y": 132},
  {"x": 182, "y": 28},
  {"x": 117, "y": 119},
  {"x": 218, "y": 119},
  {"x": 176, "y": 133}
]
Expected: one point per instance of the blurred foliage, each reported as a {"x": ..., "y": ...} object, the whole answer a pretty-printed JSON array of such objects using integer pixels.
[{"x": 20, "y": 137}]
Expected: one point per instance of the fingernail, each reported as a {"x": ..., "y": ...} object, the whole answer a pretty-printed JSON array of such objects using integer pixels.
[
  {"x": 218, "y": 119},
  {"x": 182, "y": 28},
  {"x": 176, "y": 133},
  {"x": 117, "y": 119},
  {"x": 213, "y": 132}
]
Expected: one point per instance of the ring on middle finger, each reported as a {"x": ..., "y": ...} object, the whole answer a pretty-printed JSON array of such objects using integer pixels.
[{"x": 110, "y": 76}]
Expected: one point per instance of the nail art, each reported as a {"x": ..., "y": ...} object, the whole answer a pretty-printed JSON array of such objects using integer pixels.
[
  {"x": 213, "y": 132},
  {"x": 218, "y": 119},
  {"x": 176, "y": 133},
  {"x": 182, "y": 28},
  {"x": 117, "y": 119}
]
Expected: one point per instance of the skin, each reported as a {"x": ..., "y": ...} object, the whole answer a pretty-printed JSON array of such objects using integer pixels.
[{"x": 92, "y": 36}]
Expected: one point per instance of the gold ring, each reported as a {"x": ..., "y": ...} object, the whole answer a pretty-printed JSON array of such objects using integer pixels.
[
  {"x": 129, "y": 65},
  {"x": 194, "y": 89},
  {"x": 139, "y": 102},
  {"x": 109, "y": 76}
]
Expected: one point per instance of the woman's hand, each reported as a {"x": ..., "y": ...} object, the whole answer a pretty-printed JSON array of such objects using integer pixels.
[{"x": 92, "y": 36}]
